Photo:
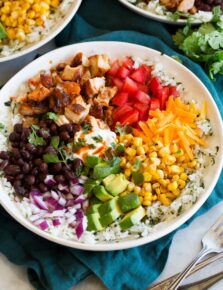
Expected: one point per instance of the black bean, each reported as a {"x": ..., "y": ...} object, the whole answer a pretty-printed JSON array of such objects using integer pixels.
[
  {"x": 41, "y": 177},
  {"x": 69, "y": 175},
  {"x": 12, "y": 169},
  {"x": 26, "y": 168},
  {"x": 20, "y": 190},
  {"x": 64, "y": 135},
  {"x": 3, "y": 164},
  {"x": 26, "y": 155},
  {"x": 10, "y": 178},
  {"x": 14, "y": 137},
  {"x": 78, "y": 163},
  {"x": 43, "y": 167},
  {"x": 76, "y": 128},
  {"x": 43, "y": 187},
  {"x": 53, "y": 128},
  {"x": 4, "y": 155},
  {"x": 19, "y": 176},
  {"x": 20, "y": 161},
  {"x": 15, "y": 153},
  {"x": 66, "y": 127},
  {"x": 50, "y": 149},
  {"x": 31, "y": 148},
  {"x": 43, "y": 133},
  {"x": 25, "y": 134},
  {"x": 59, "y": 178},
  {"x": 35, "y": 171},
  {"x": 18, "y": 128},
  {"x": 15, "y": 144},
  {"x": 30, "y": 179},
  {"x": 39, "y": 151},
  {"x": 37, "y": 161},
  {"x": 17, "y": 183},
  {"x": 56, "y": 167}
]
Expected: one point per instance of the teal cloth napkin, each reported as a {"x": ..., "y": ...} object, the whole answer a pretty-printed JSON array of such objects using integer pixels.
[{"x": 54, "y": 267}]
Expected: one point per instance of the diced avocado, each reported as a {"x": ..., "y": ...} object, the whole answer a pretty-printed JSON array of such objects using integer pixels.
[
  {"x": 108, "y": 179},
  {"x": 89, "y": 186},
  {"x": 129, "y": 201},
  {"x": 94, "y": 200},
  {"x": 100, "y": 192},
  {"x": 93, "y": 208},
  {"x": 93, "y": 222},
  {"x": 132, "y": 218},
  {"x": 104, "y": 169},
  {"x": 111, "y": 216},
  {"x": 3, "y": 33},
  {"x": 107, "y": 206},
  {"x": 117, "y": 185},
  {"x": 91, "y": 161}
]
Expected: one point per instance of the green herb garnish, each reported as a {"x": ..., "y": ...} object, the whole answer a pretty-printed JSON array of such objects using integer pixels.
[
  {"x": 34, "y": 138},
  {"x": 51, "y": 158},
  {"x": 138, "y": 178},
  {"x": 55, "y": 141},
  {"x": 81, "y": 142},
  {"x": 2, "y": 126},
  {"x": 51, "y": 116},
  {"x": 97, "y": 139},
  {"x": 126, "y": 129},
  {"x": 8, "y": 103},
  {"x": 3, "y": 33},
  {"x": 86, "y": 128},
  {"x": 137, "y": 165}
]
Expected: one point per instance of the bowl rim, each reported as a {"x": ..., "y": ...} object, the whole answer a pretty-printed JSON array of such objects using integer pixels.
[
  {"x": 123, "y": 244},
  {"x": 157, "y": 17},
  {"x": 49, "y": 36}
]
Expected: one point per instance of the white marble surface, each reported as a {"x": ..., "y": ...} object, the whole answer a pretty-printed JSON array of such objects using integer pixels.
[{"x": 186, "y": 243}]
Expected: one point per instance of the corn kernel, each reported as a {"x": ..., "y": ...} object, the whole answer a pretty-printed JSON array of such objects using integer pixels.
[
  {"x": 192, "y": 164},
  {"x": 147, "y": 186},
  {"x": 147, "y": 176},
  {"x": 169, "y": 159},
  {"x": 164, "y": 200},
  {"x": 140, "y": 150},
  {"x": 146, "y": 203},
  {"x": 154, "y": 197},
  {"x": 164, "y": 151},
  {"x": 183, "y": 176},
  {"x": 175, "y": 177},
  {"x": 131, "y": 186},
  {"x": 153, "y": 155},
  {"x": 160, "y": 173},
  {"x": 155, "y": 185},
  {"x": 175, "y": 169},
  {"x": 141, "y": 199},
  {"x": 172, "y": 186},
  {"x": 137, "y": 189},
  {"x": 131, "y": 151},
  {"x": 127, "y": 172},
  {"x": 181, "y": 183},
  {"x": 123, "y": 162},
  {"x": 137, "y": 141},
  {"x": 128, "y": 165}
]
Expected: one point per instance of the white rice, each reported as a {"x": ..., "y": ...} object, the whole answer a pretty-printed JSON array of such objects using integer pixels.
[
  {"x": 157, "y": 215},
  {"x": 38, "y": 33}
]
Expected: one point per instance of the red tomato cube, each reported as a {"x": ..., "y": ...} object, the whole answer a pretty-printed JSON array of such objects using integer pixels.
[
  {"x": 141, "y": 74},
  {"x": 123, "y": 72},
  {"x": 173, "y": 92},
  {"x": 143, "y": 88},
  {"x": 163, "y": 96},
  {"x": 142, "y": 97},
  {"x": 114, "y": 68},
  {"x": 121, "y": 111},
  {"x": 142, "y": 108},
  {"x": 128, "y": 62},
  {"x": 154, "y": 104},
  {"x": 155, "y": 86},
  {"x": 130, "y": 118},
  {"x": 130, "y": 86},
  {"x": 117, "y": 82},
  {"x": 120, "y": 99}
]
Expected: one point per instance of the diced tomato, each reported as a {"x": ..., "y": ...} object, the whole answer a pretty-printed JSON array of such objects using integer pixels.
[
  {"x": 142, "y": 97},
  {"x": 128, "y": 62},
  {"x": 142, "y": 108},
  {"x": 173, "y": 92},
  {"x": 117, "y": 82},
  {"x": 120, "y": 99},
  {"x": 130, "y": 117},
  {"x": 143, "y": 88},
  {"x": 163, "y": 96},
  {"x": 155, "y": 86},
  {"x": 121, "y": 111},
  {"x": 123, "y": 72},
  {"x": 154, "y": 104},
  {"x": 141, "y": 74},
  {"x": 147, "y": 71},
  {"x": 114, "y": 68},
  {"x": 130, "y": 86}
]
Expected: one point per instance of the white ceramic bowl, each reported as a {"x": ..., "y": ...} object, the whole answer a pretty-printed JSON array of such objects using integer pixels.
[
  {"x": 154, "y": 16},
  {"x": 56, "y": 29},
  {"x": 114, "y": 50}
]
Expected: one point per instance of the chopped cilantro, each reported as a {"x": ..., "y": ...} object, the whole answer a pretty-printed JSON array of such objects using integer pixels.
[
  {"x": 2, "y": 126},
  {"x": 52, "y": 116},
  {"x": 123, "y": 130},
  {"x": 97, "y": 138},
  {"x": 55, "y": 140},
  {"x": 86, "y": 128},
  {"x": 137, "y": 165},
  {"x": 8, "y": 103},
  {"x": 178, "y": 151},
  {"x": 50, "y": 158},
  {"x": 81, "y": 142},
  {"x": 92, "y": 146},
  {"x": 34, "y": 138},
  {"x": 138, "y": 178}
]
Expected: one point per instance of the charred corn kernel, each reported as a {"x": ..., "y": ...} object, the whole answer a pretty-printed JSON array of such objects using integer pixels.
[
  {"x": 147, "y": 186},
  {"x": 169, "y": 159},
  {"x": 181, "y": 183},
  {"x": 153, "y": 155},
  {"x": 163, "y": 189},
  {"x": 127, "y": 172},
  {"x": 172, "y": 186},
  {"x": 174, "y": 148},
  {"x": 192, "y": 164},
  {"x": 147, "y": 176},
  {"x": 155, "y": 160},
  {"x": 164, "y": 200},
  {"x": 131, "y": 186},
  {"x": 148, "y": 195},
  {"x": 176, "y": 192},
  {"x": 39, "y": 21},
  {"x": 163, "y": 182},
  {"x": 174, "y": 169},
  {"x": 20, "y": 35},
  {"x": 158, "y": 191},
  {"x": 160, "y": 173},
  {"x": 130, "y": 151},
  {"x": 155, "y": 185},
  {"x": 146, "y": 203},
  {"x": 128, "y": 165},
  {"x": 183, "y": 176},
  {"x": 137, "y": 189},
  {"x": 175, "y": 177},
  {"x": 140, "y": 150},
  {"x": 170, "y": 195},
  {"x": 123, "y": 162},
  {"x": 154, "y": 197},
  {"x": 137, "y": 141},
  {"x": 164, "y": 151}
]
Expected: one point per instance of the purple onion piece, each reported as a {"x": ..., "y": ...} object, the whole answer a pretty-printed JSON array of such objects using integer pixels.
[
  {"x": 49, "y": 181},
  {"x": 79, "y": 229},
  {"x": 79, "y": 215},
  {"x": 63, "y": 188},
  {"x": 77, "y": 189},
  {"x": 54, "y": 195},
  {"x": 79, "y": 199},
  {"x": 56, "y": 222},
  {"x": 74, "y": 181},
  {"x": 39, "y": 202},
  {"x": 52, "y": 204},
  {"x": 44, "y": 225},
  {"x": 62, "y": 201}
]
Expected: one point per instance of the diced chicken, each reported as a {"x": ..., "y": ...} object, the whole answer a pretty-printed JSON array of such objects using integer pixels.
[
  {"x": 21, "y": 99},
  {"x": 99, "y": 65},
  {"x": 71, "y": 88},
  {"x": 193, "y": 10},
  {"x": 28, "y": 121},
  {"x": 97, "y": 111},
  {"x": 79, "y": 59},
  {"x": 72, "y": 73},
  {"x": 77, "y": 111},
  {"x": 59, "y": 99},
  {"x": 46, "y": 80},
  {"x": 185, "y": 5},
  {"x": 93, "y": 86},
  {"x": 105, "y": 95},
  {"x": 109, "y": 115},
  {"x": 32, "y": 109},
  {"x": 61, "y": 120},
  {"x": 34, "y": 82},
  {"x": 85, "y": 76},
  {"x": 39, "y": 94},
  {"x": 170, "y": 4},
  {"x": 96, "y": 123}
]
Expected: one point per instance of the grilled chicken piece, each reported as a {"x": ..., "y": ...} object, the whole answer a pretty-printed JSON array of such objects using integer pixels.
[
  {"x": 97, "y": 110},
  {"x": 46, "y": 80},
  {"x": 77, "y": 111},
  {"x": 109, "y": 115},
  {"x": 39, "y": 94},
  {"x": 34, "y": 82},
  {"x": 21, "y": 99},
  {"x": 170, "y": 4},
  {"x": 85, "y": 76},
  {"x": 27, "y": 122},
  {"x": 61, "y": 120},
  {"x": 96, "y": 123},
  {"x": 79, "y": 59},
  {"x": 72, "y": 73},
  {"x": 105, "y": 95},
  {"x": 32, "y": 108},
  {"x": 93, "y": 86},
  {"x": 99, "y": 65},
  {"x": 185, "y": 5},
  {"x": 71, "y": 88},
  {"x": 59, "y": 99}
]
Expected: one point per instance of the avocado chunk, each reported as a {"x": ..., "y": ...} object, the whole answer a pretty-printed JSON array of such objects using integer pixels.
[
  {"x": 89, "y": 186},
  {"x": 93, "y": 222},
  {"x": 111, "y": 216},
  {"x": 94, "y": 200},
  {"x": 100, "y": 192},
  {"x": 107, "y": 206},
  {"x": 91, "y": 161},
  {"x": 129, "y": 201},
  {"x": 93, "y": 208},
  {"x": 108, "y": 179},
  {"x": 117, "y": 184},
  {"x": 104, "y": 169},
  {"x": 132, "y": 218}
]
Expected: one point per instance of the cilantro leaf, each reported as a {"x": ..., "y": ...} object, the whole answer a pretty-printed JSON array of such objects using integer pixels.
[
  {"x": 52, "y": 116},
  {"x": 123, "y": 130},
  {"x": 2, "y": 126},
  {"x": 86, "y": 128},
  {"x": 137, "y": 165},
  {"x": 138, "y": 178},
  {"x": 97, "y": 138},
  {"x": 34, "y": 138},
  {"x": 55, "y": 140},
  {"x": 81, "y": 142},
  {"x": 51, "y": 158}
]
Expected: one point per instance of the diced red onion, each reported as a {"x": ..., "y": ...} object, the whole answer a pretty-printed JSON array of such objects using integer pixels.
[
  {"x": 37, "y": 216},
  {"x": 79, "y": 229},
  {"x": 84, "y": 177},
  {"x": 62, "y": 201},
  {"x": 79, "y": 199},
  {"x": 35, "y": 192},
  {"x": 44, "y": 225},
  {"x": 52, "y": 204},
  {"x": 72, "y": 209},
  {"x": 46, "y": 195},
  {"x": 37, "y": 222},
  {"x": 56, "y": 222},
  {"x": 74, "y": 181},
  {"x": 71, "y": 219},
  {"x": 54, "y": 195},
  {"x": 63, "y": 187},
  {"x": 77, "y": 189},
  {"x": 39, "y": 202},
  {"x": 77, "y": 206},
  {"x": 56, "y": 213},
  {"x": 49, "y": 180}
]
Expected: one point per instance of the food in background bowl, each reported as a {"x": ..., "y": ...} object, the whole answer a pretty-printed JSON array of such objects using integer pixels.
[{"x": 102, "y": 150}]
